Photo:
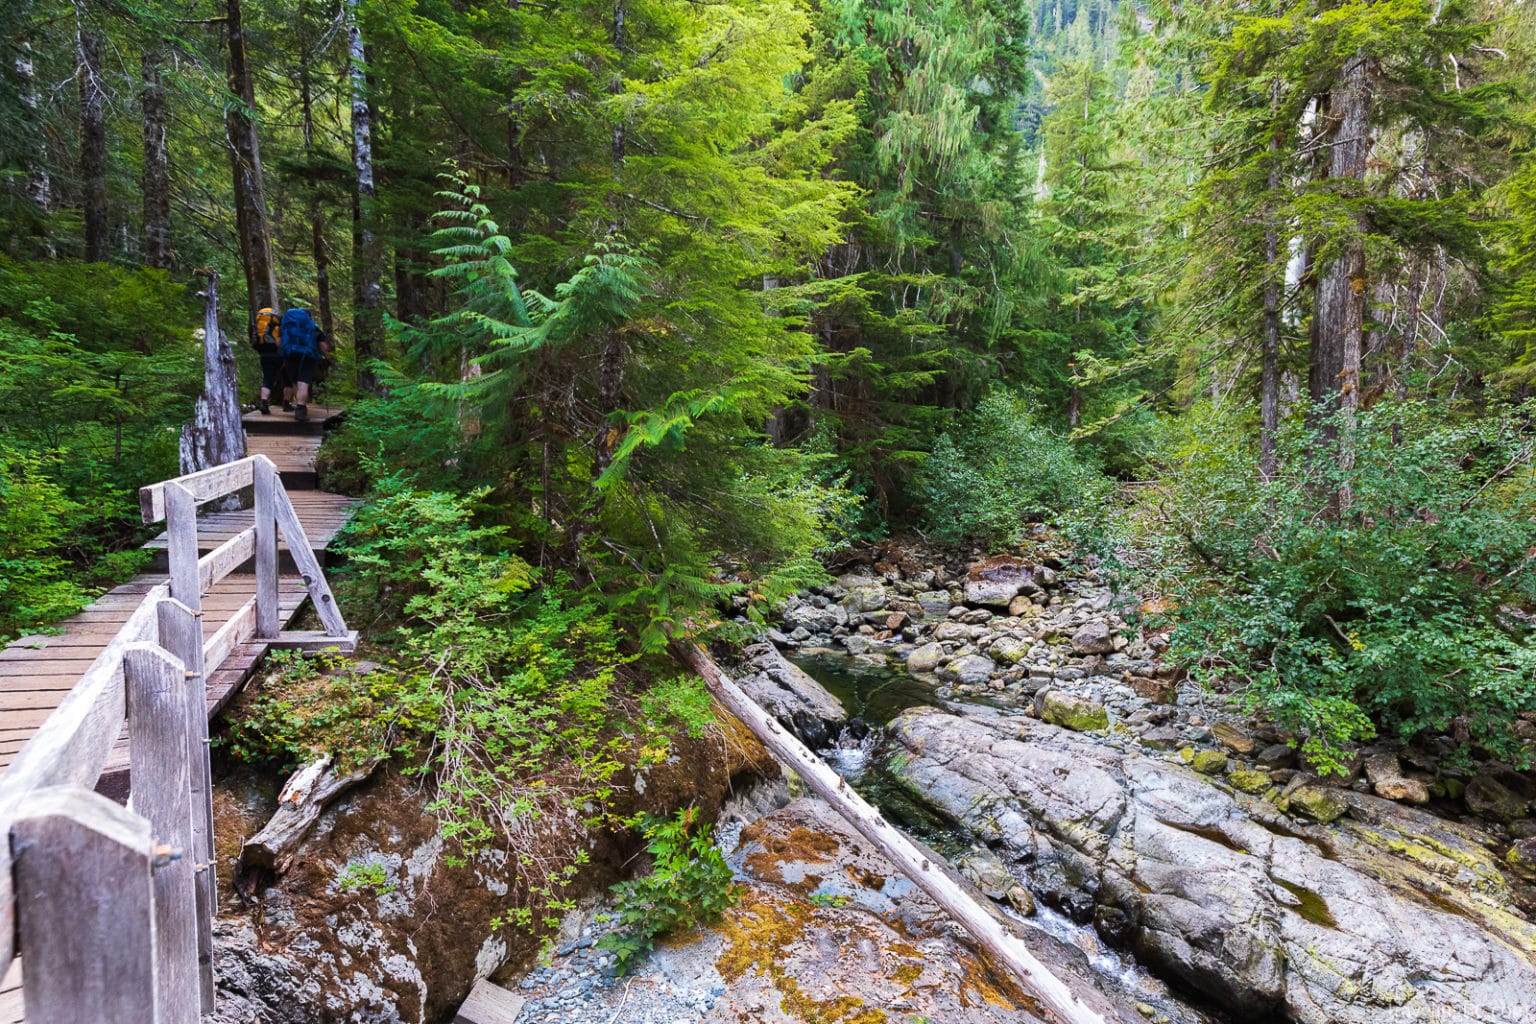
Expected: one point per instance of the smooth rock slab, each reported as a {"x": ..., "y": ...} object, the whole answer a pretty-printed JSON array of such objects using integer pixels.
[{"x": 1323, "y": 925}]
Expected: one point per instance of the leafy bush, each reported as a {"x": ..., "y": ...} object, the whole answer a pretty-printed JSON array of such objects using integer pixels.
[
  {"x": 35, "y": 516},
  {"x": 689, "y": 884},
  {"x": 998, "y": 470},
  {"x": 1397, "y": 608}
]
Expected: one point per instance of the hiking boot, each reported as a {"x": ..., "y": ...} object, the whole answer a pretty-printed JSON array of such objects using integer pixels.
[
  {"x": 287, "y": 406},
  {"x": 266, "y": 410},
  {"x": 301, "y": 413}
]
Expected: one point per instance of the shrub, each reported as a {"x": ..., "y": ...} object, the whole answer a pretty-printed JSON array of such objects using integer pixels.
[
  {"x": 998, "y": 470},
  {"x": 35, "y": 516},
  {"x": 689, "y": 884},
  {"x": 1400, "y": 610}
]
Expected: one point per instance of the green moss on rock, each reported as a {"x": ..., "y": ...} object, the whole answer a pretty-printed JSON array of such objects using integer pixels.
[{"x": 1249, "y": 781}]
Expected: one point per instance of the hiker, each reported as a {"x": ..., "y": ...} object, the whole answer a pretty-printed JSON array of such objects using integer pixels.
[
  {"x": 303, "y": 348},
  {"x": 269, "y": 350}
]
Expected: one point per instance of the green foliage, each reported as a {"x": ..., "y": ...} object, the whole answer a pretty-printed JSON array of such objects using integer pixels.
[
  {"x": 1000, "y": 469},
  {"x": 36, "y": 585},
  {"x": 1396, "y": 609},
  {"x": 365, "y": 875},
  {"x": 689, "y": 884}
]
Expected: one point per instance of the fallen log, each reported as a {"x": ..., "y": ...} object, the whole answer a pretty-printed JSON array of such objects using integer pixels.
[
  {"x": 303, "y": 799},
  {"x": 994, "y": 940}
]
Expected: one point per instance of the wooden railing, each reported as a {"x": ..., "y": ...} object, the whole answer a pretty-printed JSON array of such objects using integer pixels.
[{"x": 112, "y": 908}]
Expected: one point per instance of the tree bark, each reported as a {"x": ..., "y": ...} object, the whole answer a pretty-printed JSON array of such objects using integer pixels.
[
  {"x": 1338, "y": 320},
  {"x": 251, "y": 217},
  {"x": 39, "y": 184},
  {"x": 1269, "y": 370},
  {"x": 157, "y": 168},
  {"x": 93, "y": 142},
  {"x": 215, "y": 435},
  {"x": 317, "y": 221},
  {"x": 367, "y": 257},
  {"x": 1001, "y": 947}
]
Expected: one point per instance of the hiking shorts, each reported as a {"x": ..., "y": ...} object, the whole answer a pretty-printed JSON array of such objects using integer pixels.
[
  {"x": 301, "y": 367},
  {"x": 271, "y": 370}
]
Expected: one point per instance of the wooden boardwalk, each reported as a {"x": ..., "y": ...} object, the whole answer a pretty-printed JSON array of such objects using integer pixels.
[{"x": 37, "y": 671}]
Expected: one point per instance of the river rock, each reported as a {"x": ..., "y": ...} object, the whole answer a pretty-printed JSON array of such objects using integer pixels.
[
  {"x": 863, "y": 594},
  {"x": 1344, "y": 924},
  {"x": 926, "y": 658},
  {"x": 1233, "y": 739},
  {"x": 1009, "y": 649},
  {"x": 1094, "y": 637},
  {"x": 1385, "y": 775},
  {"x": 1321, "y": 803},
  {"x": 991, "y": 593},
  {"x": 1070, "y": 711},
  {"x": 803, "y": 614},
  {"x": 1490, "y": 797},
  {"x": 789, "y": 694},
  {"x": 971, "y": 669},
  {"x": 934, "y": 602},
  {"x": 952, "y": 631},
  {"x": 1022, "y": 606}
]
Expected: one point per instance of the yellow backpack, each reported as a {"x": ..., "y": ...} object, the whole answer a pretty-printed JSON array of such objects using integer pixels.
[{"x": 268, "y": 335}]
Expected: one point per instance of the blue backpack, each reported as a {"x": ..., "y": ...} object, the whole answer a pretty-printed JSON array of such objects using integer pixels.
[{"x": 299, "y": 334}]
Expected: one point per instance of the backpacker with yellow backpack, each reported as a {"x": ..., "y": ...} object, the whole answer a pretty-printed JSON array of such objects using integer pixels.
[{"x": 269, "y": 338}]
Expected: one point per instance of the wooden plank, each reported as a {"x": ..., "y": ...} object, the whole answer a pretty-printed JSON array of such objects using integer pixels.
[
  {"x": 240, "y": 628},
  {"x": 311, "y": 640},
  {"x": 226, "y": 558},
  {"x": 489, "y": 1004},
  {"x": 1002, "y": 947},
  {"x": 181, "y": 634},
  {"x": 265, "y": 526},
  {"x": 308, "y": 565},
  {"x": 204, "y": 485},
  {"x": 85, "y": 909},
  {"x": 158, "y": 724}
]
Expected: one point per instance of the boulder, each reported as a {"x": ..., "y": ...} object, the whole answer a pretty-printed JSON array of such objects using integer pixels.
[
  {"x": 1249, "y": 781},
  {"x": 1321, "y": 803},
  {"x": 1070, "y": 711},
  {"x": 1385, "y": 775},
  {"x": 863, "y": 594},
  {"x": 1388, "y": 917},
  {"x": 971, "y": 669},
  {"x": 1093, "y": 637},
  {"x": 805, "y": 615},
  {"x": 1209, "y": 762},
  {"x": 1008, "y": 649},
  {"x": 1490, "y": 798},
  {"x": 1021, "y": 606},
  {"x": 1233, "y": 739},
  {"x": 934, "y": 602},
  {"x": 789, "y": 694},
  {"x": 1276, "y": 756},
  {"x": 991, "y": 593},
  {"x": 926, "y": 658},
  {"x": 952, "y": 631}
]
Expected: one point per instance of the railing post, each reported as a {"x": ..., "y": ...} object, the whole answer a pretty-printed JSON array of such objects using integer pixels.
[
  {"x": 266, "y": 482},
  {"x": 158, "y": 733},
  {"x": 181, "y": 545},
  {"x": 85, "y": 909},
  {"x": 181, "y": 633}
]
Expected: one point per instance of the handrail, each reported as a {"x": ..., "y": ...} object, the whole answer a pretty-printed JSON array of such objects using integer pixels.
[{"x": 65, "y": 840}]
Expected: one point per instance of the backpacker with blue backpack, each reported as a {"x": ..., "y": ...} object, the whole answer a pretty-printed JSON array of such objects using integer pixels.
[{"x": 300, "y": 336}]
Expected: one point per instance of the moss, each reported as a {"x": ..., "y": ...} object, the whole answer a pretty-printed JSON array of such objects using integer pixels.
[
  {"x": 1074, "y": 713},
  {"x": 1249, "y": 781},
  {"x": 1318, "y": 803},
  {"x": 842, "y": 1010},
  {"x": 801, "y": 845},
  {"x": 1209, "y": 762},
  {"x": 756, "y": 931},
  {"x": 906, "y": 974},
  {"x": 1310, "y": 905}
]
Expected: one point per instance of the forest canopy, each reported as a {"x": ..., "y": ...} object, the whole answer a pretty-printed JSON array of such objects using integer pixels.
[{"x": 674, "y": 299}]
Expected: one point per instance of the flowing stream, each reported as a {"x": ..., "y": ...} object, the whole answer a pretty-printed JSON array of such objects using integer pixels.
[{"x": 875, "y": 692}]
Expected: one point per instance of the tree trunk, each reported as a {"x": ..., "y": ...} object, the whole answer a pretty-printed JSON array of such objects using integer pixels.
[
  {"x": 1269, "y": 372},
  {"x": 319, "y": 248},
  {"x": 367, "y": 291},
  {"x": 39, "y": 183},
  {"x": 251, "y": 216},
  {"x": 215, "y": 435},
  {"x": 93, "y": 143},
  {"x": 1002, "y": 947},
  {"x": 157, "y": 169},
  {"x": 1338, "y": 320}
]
